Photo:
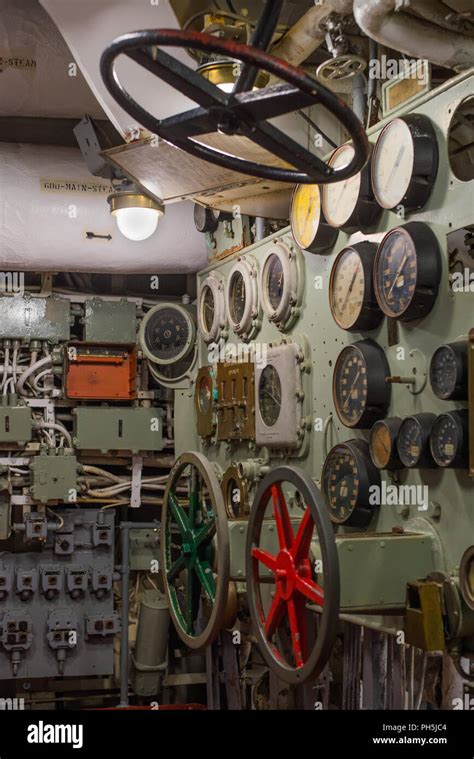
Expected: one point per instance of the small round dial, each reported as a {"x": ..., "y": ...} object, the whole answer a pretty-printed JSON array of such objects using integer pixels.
[
  {"x": 167, "y": 334},
  {"x": 448, "y": 372},
  {"x": 348, "y": 474},
  {"x": 360, "y": 390},
  {"x": 407, "y": 272},
  {"x": 211, "y": 310},
  {"x": 405, "y": 163},
  {"x": 383, "y": 443},
  {"x": 351, "y": 293},
  {"x": 349, "y": 205},
  {"x": 269, "y": 395},
  {"x": 208, "y": 307},
  {"x": 275, "y": 281},
  {"x": 282, "y": 285},
  {"x": 308, "y": 225},
  {"x": 243, "y": 303},
  {"x": 205, "y": 219},
  {"x": 237, "y": 297},
  {"x": 449, "y": 440},
  {"x": 413, "y": 442},
  {"x": 204, "y": 396}
]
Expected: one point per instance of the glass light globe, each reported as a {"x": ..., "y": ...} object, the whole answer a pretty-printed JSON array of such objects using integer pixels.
[{"x": 137, "y": 223}]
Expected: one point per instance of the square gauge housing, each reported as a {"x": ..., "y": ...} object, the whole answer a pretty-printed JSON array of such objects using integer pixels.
[{"x": 278, "y": 393}]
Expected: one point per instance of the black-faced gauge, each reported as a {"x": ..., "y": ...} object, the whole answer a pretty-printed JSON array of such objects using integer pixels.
[
  {"x": 204, "y": 397},
  {"x": 383, "y": 443},
  {"x": 360, "y": 390},
  {"x": 347, "y": 478},
  {"x": 243, "y": 308},
  {"x": 405, "y": 163},
  {"x": 449, "y": 440},
  {"x": 413, "y": 442},
  {"x": 167, "y": 334},
  {"x": 350, "y": 205},
  {"x": 308, "y": 225},
  {"x": 407, "y": 272},
  {"x": 281, "y": 285},
  {"x": 211, "y": 310},
  {"x": 269, "y": 395},
  {"x": 449, "y": 372},
  {"x": 351, "y": 291},
  {"x": 205, "y": 219}
]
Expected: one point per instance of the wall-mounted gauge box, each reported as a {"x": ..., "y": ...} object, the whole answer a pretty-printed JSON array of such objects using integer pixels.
[
  {"x": 15, "y": 424},
  {"x": 109, "y": 321},
  {"x": 27, "y": 318},
  {"x": 118, "y": 429}
]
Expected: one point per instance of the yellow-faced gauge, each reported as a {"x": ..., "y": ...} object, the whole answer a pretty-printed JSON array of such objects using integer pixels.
[
  {"x": 350, "y": 205},
  {"x": 383, "y": 443},
  {"x": 309, "y": 228},
  {"x": 352, "y": 298}
]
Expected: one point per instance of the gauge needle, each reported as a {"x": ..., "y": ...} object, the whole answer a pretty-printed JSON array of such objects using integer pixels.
[
  {"x": 344, "y": 405},
  {"x": 349, "y": 289},
  {"x": 396, "y": 165},
  {"x": 275, "y": 400},
  {"x": 399, "y": 271}
]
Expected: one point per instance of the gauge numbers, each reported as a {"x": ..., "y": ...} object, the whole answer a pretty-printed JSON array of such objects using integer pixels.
[
  {"x": 449, "y": 439},
  {"x": 352, "y": 298},
  {"x": 413, "y": 441},
  {"x": 167, "y": 334},
  {"x": 348, "y": 474},
  {"x": 269, "y": 395},
  {"x": 361, "y": 393},
  {"x": 407, "y": 272},
  {"x": 449, "y": 372}
]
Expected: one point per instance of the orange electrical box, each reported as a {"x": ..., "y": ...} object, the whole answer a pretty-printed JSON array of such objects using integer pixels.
[{"x": 101, "y": 372}]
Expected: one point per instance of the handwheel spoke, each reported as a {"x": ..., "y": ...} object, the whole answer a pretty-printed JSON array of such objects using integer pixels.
[
  {"x": 265, "y": 558},
  {"x": 279, "y": 144},
  {"x": 261, "y": 39},
  {"x": 282, "y": 518},
  {"x": 295, "y": 633},
  {"x": 176, "y": 568},
  {"x": 178, "y": 512},
  {"x": 310, "y": 590},
  {"x": 270, "y": 102},
  {"x": 205, "y": 533},
  {"x": 194, "y": 497},
  {"x": 206, "y": 578},
  {"x": 275, "y": 615},
  {"x": 302, "y": 543}
]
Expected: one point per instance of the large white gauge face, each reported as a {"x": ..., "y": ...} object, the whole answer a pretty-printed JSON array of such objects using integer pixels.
[
  {"x": 392, "y": 164},
  {"x": 305, "y": 214},
  {"x": 340, "y": 198}
]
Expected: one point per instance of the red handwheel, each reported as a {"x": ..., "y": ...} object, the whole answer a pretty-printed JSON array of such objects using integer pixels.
[{"x": 293, "y": 592}]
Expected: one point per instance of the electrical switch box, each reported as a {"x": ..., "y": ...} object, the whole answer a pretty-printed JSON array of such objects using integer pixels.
[
  {"x": 97, "y": 372},
  {"x": 15, "y": 424},
  {"x": 54, "y": 478},
  {"x": 118, "y": 429}
]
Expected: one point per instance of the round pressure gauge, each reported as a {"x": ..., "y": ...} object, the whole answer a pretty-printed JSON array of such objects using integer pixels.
[
  {"x": 449, "y": 440},
  {"x": 281, "y": 285},
  {"x": 242, "y": 298},
  {"x": 167, "y": 334},
  {"x": 308, "y": 225},
  {"x": 383, "y": 443},
  {"x": 205, "y": 219},
  {"x": 413, "y": 441},
  {"x": 269, "y": 395},
  {"x": 347, "y": 478},
  {"x": 204, "y": 396},
  {"x": 407, "y": 271},
  {"x": 360, "y": 390},
  {"x": 350, "y": 205},
  {"x": 351, "y": 292},
  {"x": 211, "y": 311},
  {"x": 405, "y": 163},
  {"x": 448, "y": 372}
]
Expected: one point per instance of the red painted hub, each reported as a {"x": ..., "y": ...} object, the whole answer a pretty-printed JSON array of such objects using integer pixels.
[{"x": 294, "y": 585}]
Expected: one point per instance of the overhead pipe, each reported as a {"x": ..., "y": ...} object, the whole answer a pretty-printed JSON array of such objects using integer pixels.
[{"x": 382, "y": 21}]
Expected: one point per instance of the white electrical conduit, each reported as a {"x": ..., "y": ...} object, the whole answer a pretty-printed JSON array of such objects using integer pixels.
[
  {"x": 43, "y": 425},
  {"x": 6, "y": 367},
  {"x": 20, "y": 385},
  {"x": 413, "y": 36}
]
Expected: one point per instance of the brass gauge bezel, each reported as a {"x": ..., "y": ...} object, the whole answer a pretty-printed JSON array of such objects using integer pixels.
[{"x": 232, "y": 475}]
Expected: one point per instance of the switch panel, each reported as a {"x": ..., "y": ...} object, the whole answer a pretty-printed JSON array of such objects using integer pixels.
[{"x": 119, "y": 429}]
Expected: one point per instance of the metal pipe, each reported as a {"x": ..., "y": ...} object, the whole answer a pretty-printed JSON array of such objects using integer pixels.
[
  {"x": 125, "y": 572},
  {"x": 413, "y": 36}
]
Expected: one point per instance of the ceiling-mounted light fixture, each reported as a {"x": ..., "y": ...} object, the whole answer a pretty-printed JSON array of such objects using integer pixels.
[
  {"x": 137, "y": 214},
  {"x": 224, "y": 74}
]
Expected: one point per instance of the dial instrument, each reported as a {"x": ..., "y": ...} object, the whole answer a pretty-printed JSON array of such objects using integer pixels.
[
  {"x": 167, "y": 334},
  {"x": 449, "y": 440},
  {"x": 351, "y": 292},
  {"x": 383, "y": 443},
  {"x": 449, "y": 371},
  {"x": 211, "y": 310},
  {"x": 349, "y": 205},
  {"x": 308, "y": 225},
  {"x": 281, "y": 285},
  {"x": 348, "y": 474},
  {"x": 360, "y": 390},
  {"x": 405, "y": 163},
  {"x": 205, "y": 219},
  {"x": 275, "y": 281},
  {"x": 269, "y": 395},
  {"x": 243, "y": 306},
  {"x": 413, "y": 442},
  {"x": 407, "y": 272},
  {"x": 204, "y": 397},
  {"x": 237, "y": 296},
  {"x": 208, "y": 307}
]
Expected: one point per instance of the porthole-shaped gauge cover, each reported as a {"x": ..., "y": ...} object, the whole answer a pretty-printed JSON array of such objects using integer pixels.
[
  {"x": 167, "y": 334},
  {"x": 460, "y": 142},
  {"x": 211, "y": 309},
  {"x": 281, "y": 285},
  {"x": 243, "y": 309}
]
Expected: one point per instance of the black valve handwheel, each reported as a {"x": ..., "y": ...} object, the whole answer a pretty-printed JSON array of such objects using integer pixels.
[
  {"x": 236, "y": 113},
  {"x": 295, "y": 639}
]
